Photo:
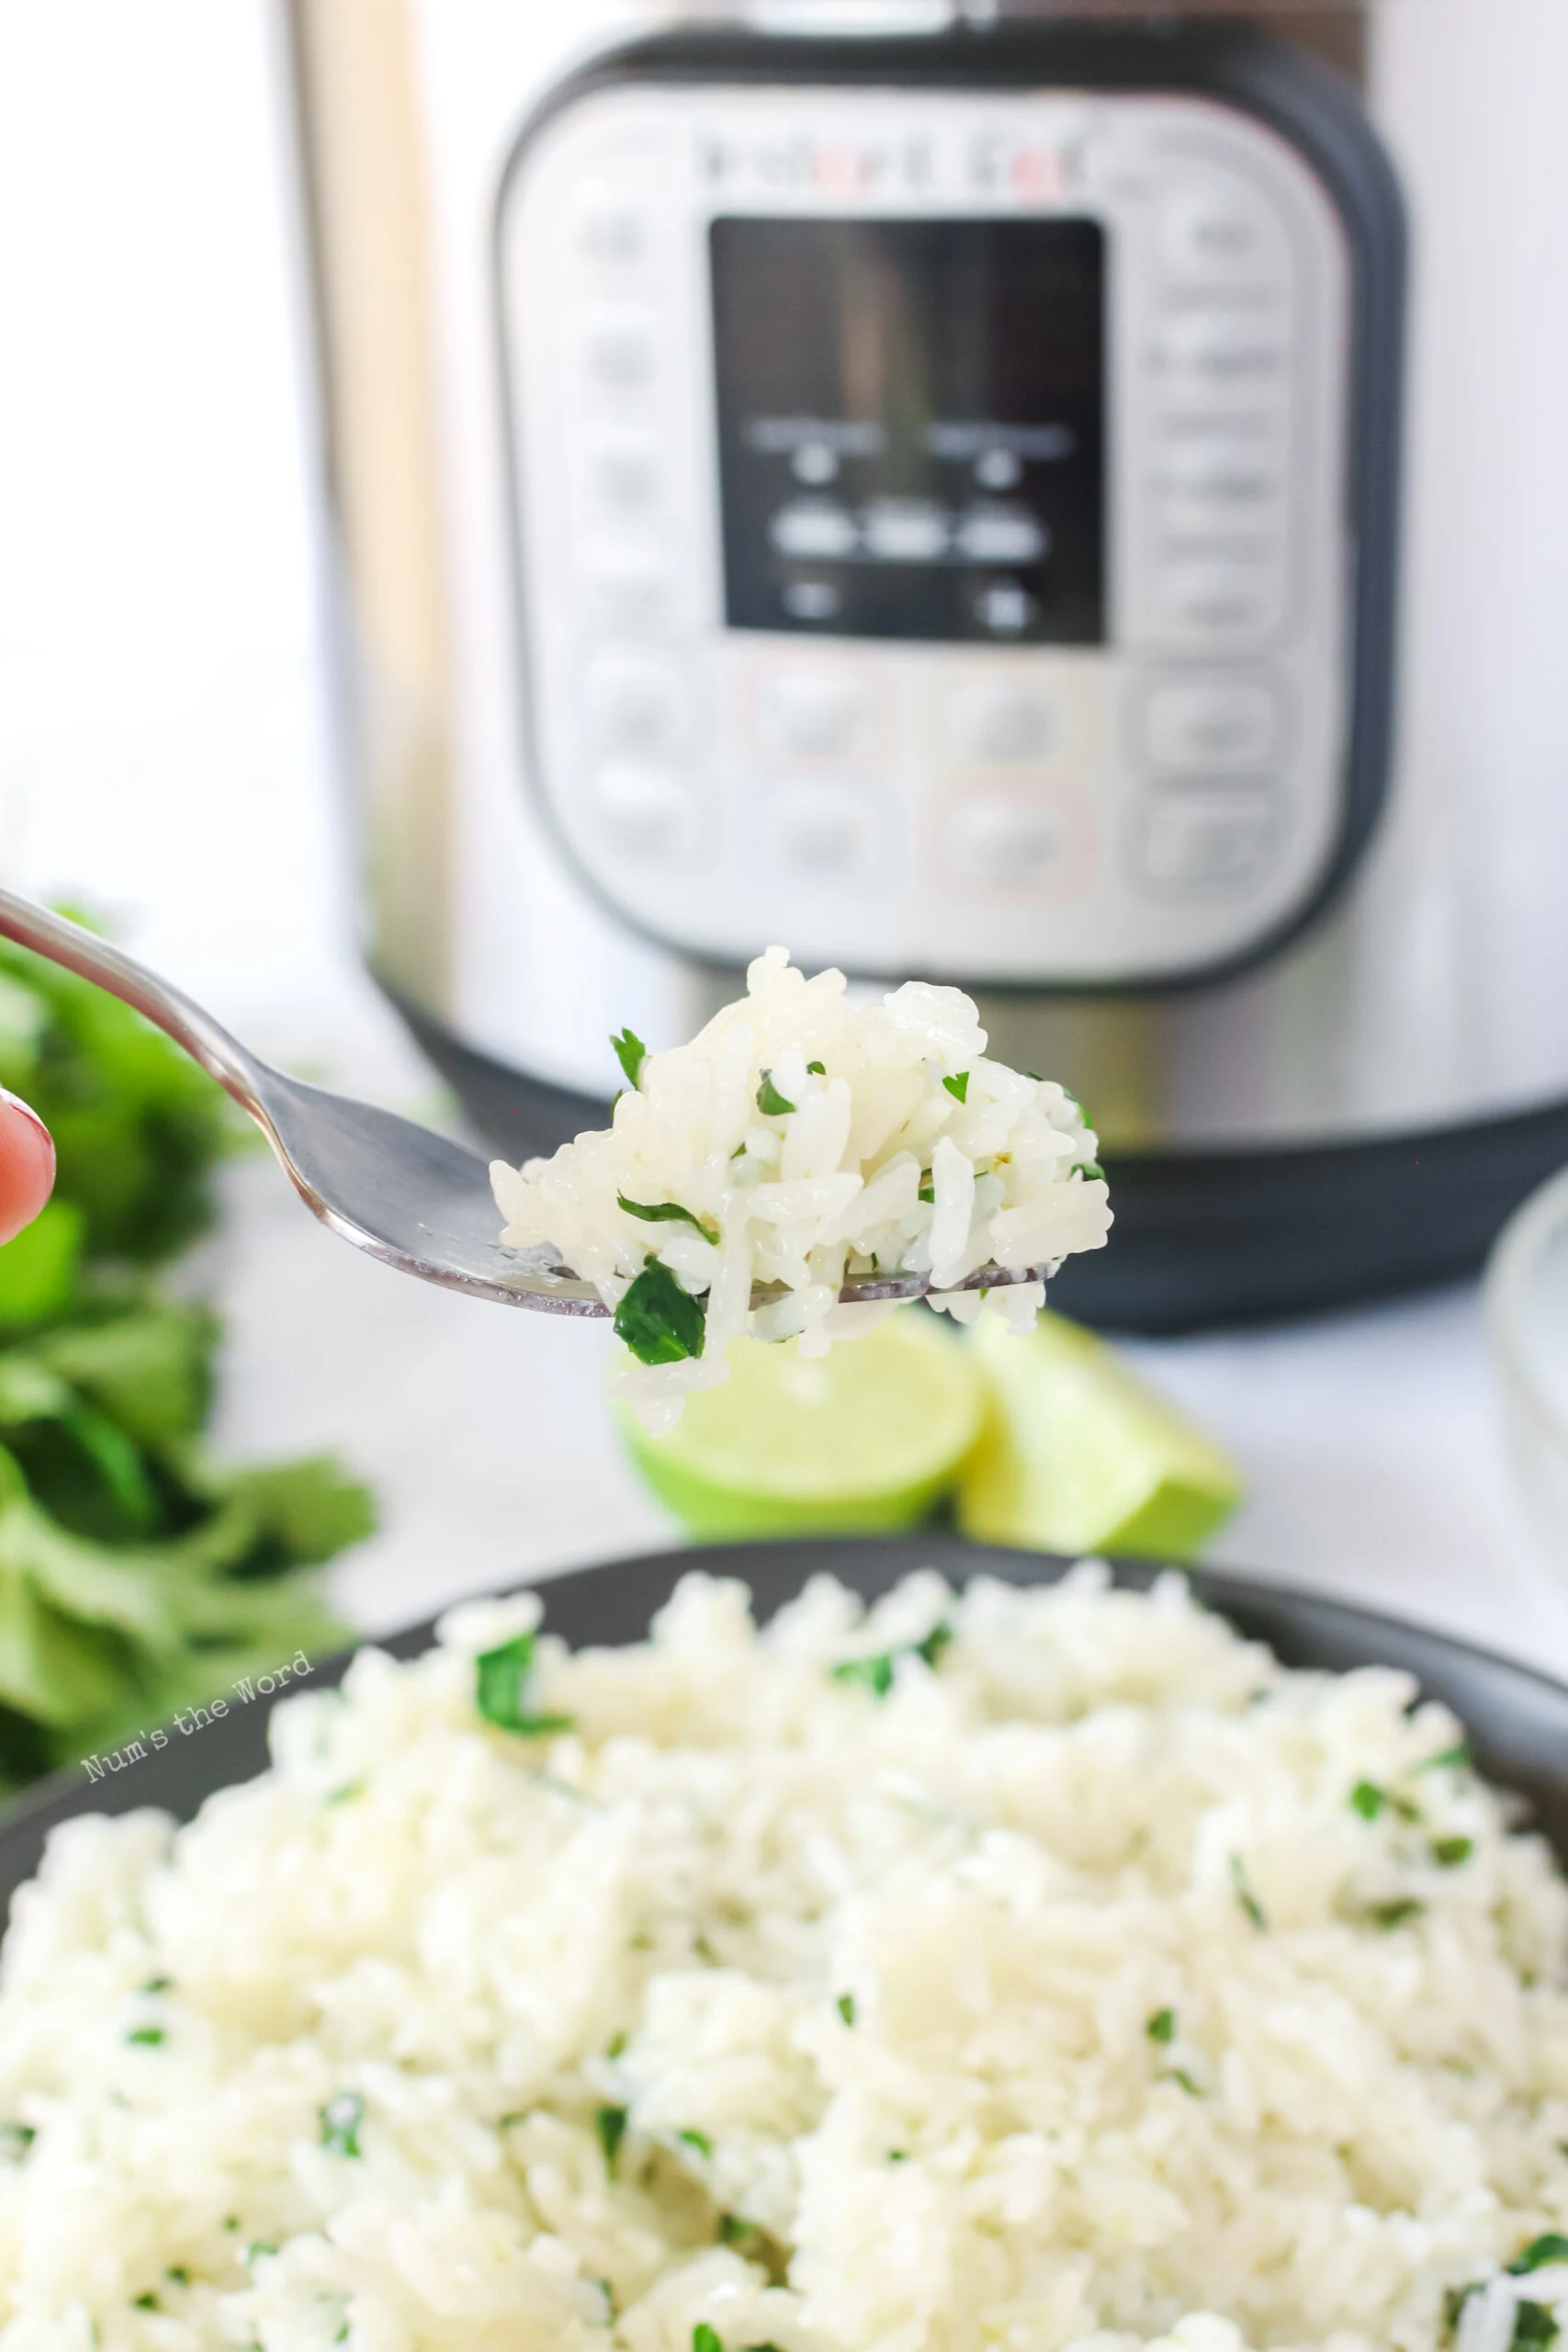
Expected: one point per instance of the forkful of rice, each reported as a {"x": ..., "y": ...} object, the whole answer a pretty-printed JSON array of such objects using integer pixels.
[{"x": 804, "y": 1165}]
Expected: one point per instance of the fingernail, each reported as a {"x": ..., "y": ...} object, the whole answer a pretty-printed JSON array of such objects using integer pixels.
[{"x": 26, "y": 1110}]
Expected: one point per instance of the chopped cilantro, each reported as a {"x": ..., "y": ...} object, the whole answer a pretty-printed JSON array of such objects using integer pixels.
[
  {"x": 1534, "y": 2327},
  {"x": 898, "y": 2155},
  {"x": 344, "y": 1795},
  {"x": 958, "y": 1087},
  {"x": 770, "y": 1101},
  {"x": 1395, "y": 1914},
  {"x": 1180, "y": 2074},
  {"x": 1090, "y": 1169},
  {"x": 615, "y": 2046},
  {"x": 147, "y": 2302},
  {"x": 157, "y": 1984},
  {"x": 1454, "y": 1759},
  {"x": 733, "y": 2230},
  {"x": 149, "y": 2036},
  {"x": 15, "y": 2139},
  {"x": 631, "y": 1053},
  {"x": 1552, "y": 2247},
  {"x": 935, "y": 1641},
  {"x": 845, "y": 2005},
  {"x": 178, "y": 2273},
  {"x": 1368, "y": 1800},
  {"x": 1244, "y": 1894},
  {"x": 664, "y": 1213},
  {"x": 659, "y": 1322},
  {"x": 705, "y": 2339},
  {"x": 698, "y": 2139},
  {"x": 817, "y": 1069},
  {"x": 1034, "y": 1074},
  {"x": 501, "y": 1679},
  {"x": 1161, "y": 2027},
  {"x": 257, "y": 2247},
  {"x": 610, "y": 2122},
  {"x": 927, "y": 1193},
  {"x": 1450, "y": 1852},
  {"x": 873, "y": 1674},
  {"x": 341, "y": 2120}
]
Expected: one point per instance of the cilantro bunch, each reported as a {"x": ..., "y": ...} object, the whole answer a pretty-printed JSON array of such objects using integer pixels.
[{"x": 136, "y": 1574}]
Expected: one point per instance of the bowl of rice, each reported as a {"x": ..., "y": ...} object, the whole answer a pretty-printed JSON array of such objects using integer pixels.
[{"x": 822, "y": 1947}]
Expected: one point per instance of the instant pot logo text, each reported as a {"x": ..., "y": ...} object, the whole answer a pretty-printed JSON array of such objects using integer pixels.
[{"x": 1033, "y": 171}]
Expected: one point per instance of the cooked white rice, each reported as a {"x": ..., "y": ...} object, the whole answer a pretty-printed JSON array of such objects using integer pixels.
[
  {"x": 872, "y": 1166},
  {"x": 1100, "y": 1983}
]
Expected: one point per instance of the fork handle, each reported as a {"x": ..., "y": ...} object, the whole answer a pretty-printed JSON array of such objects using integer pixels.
[{"x": 107, "y": 966}]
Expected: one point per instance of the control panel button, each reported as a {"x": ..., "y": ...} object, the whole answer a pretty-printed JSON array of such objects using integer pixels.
[
  {"x": 618, "y": 352},
  {"x": 1199, "y": 725},
  {"x": 637, "y": 702},
  {"x": 823, "y": 831},
  {"x": 1016, "y": 725},
  {"x": 1214, "y": 233},
  {"x": 905, "y": 530},
  {"x": 814, "y": 529},
  {"x": 608, "y": 231},
  {"x": 646, "y": 811},
  {"x": 1013, "y": 840},
  {"x": 1208, "y": 844},
  {"x": 1001, "y": 534},
  {"x": 620, "y": 474},
  {"x": 829, "y": 712},
  {"x": 1222, "y": 599}
]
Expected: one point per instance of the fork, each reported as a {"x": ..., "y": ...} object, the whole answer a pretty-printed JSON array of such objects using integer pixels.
[{"x": 395, "y": 1190}]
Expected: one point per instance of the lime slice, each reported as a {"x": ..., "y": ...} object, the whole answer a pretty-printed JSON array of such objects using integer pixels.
[
  {"x": 863, "y": 1438},
  {"x": 1079, "y": 1455}
]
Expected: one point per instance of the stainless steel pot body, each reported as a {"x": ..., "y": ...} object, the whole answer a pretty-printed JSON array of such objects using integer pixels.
[{"x": 1422, "y": 1017}]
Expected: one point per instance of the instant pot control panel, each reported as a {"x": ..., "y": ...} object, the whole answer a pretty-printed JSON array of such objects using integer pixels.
[{"x": 936, "y": 520}]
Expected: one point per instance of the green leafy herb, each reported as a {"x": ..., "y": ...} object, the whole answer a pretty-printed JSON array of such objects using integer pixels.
[
  {"x": 1244, "y": 1894},
  {"x": 340, "y": 2119},
  {"x": 158, "y": 1984},
  {"x": 631, "y": 1053},
  {"x": 178, "y": 2273},
  {"x": 958, "y": 1087},
  {"x": 927, "y": 1193},
  {"x": 257, "y": 2247},
  {"x": 1552, "y": 2247},
  {"x": 845, "y": 2005},
  {"x": 500, "y": 1681},
  {"x": 1161, "y": 2027},
  {"x": 15, "y": 2139},
  {"x": 873, "y": 1674},
  {"x": 770, "y": 1101},
  {"x": 735, "y": 2231},
  {"x": 615, "y": 2046},
  {"x": 664, "y": 1213},
  {"x": 147, "y": 2302},
  {"x": 1450, "y": 1852},
  {"x": 697, "y": 2139},
  {"x": 345, "y": 1794},
  {"x": 610, "y": 2122},
  {"x": 1533, "y": 2326},
  {"x": 898, "y": 2155},
  {"x": 1395, "y": 1914},
  {"x": 705, "y": 2339},
  {"x": 817, "y": 1069},
  {"x": 1090, "y": 1170},
  {"x": 147, "y": 2036},
  {"x": 1450, "y": 1759},
  {"x": 1180, "y": 2074},
  {"x": 1368, "y": 1800},
  {"x": 659, "y": 1322}
]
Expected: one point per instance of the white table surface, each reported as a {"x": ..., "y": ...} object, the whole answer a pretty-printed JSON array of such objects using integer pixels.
[{"x": 162, "y": 754}]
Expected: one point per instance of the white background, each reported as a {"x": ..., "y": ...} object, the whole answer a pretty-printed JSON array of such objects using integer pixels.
[{"x": 164, "y": 754}]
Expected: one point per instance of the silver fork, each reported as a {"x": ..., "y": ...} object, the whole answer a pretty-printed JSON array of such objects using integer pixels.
[{"x": 410, "y": 1198}]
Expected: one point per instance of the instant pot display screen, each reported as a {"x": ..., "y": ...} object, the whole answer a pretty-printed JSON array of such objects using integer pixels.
[{"x": 911, "y": 428}]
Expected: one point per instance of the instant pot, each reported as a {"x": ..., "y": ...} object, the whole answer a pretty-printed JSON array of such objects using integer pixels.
[{"x": 1071, "y": 503}]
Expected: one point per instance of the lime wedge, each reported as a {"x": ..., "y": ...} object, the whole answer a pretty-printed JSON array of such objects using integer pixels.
[
  {"x": 1079, "y": 1455},
  {"x": 864, "y": 1438}
]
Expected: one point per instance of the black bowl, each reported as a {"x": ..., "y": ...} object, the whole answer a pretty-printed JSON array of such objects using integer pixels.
[{"x": 1518, "y": 1721}]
